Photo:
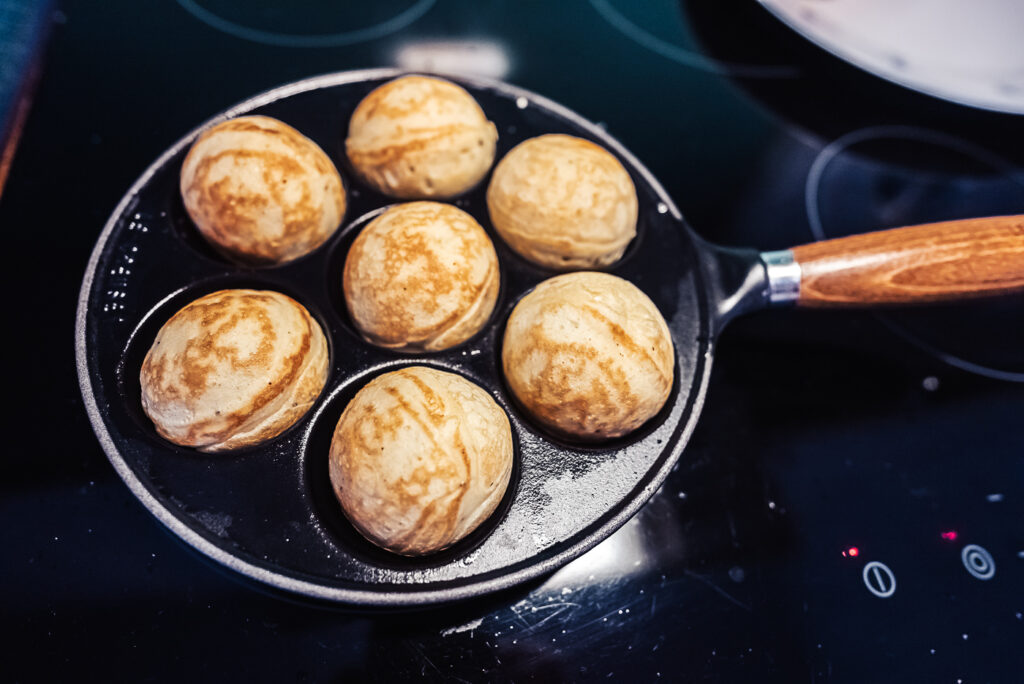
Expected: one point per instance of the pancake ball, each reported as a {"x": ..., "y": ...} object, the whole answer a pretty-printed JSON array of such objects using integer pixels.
[
  {"x": 260, "y": 192},
  {"x": 419, "y": 459},
  {"x": 588, "y": 356},
  {"x": 563, "y": 202},
  {"x": 233, "y": 369},
  {"x": 418, "y": 137},
  {"x": 421, "y": 276}
]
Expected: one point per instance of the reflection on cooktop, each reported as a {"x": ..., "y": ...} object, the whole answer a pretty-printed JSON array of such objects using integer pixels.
[
  {"x": 644, "y": 23},
  {"x": 312, "y": 25}
]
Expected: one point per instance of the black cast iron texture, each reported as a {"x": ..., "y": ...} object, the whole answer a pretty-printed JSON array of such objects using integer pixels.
[{"x": 269, "y": 512}]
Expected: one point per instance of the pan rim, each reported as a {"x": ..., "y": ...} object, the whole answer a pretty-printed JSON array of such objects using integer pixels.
[{"x": 394, "y": 597}]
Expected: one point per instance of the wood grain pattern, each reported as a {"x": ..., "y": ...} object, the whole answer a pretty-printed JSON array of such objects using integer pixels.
[{"x": 928, "y": 263}]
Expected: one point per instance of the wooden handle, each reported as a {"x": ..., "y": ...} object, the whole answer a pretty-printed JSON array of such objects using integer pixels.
[{"x": 928, "y": 263}]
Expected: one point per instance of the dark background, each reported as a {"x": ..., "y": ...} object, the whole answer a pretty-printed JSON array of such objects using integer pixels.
[{"x": 822, "y": 431}]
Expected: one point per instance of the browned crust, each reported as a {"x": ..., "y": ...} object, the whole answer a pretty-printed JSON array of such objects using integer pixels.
[
  {"x": 427, "y": 296},
  {"x": 181, "y": 383},
  {"x": 559, "y": 219},
  {"x": 424, "y": 157},
  {"x": 231, "y": 220},
  {"x": 418, "y": 503},
  {"x": 578, "y": 385}
]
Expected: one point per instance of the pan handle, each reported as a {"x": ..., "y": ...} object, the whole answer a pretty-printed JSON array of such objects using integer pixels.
[{"x": 934, "y": 262}]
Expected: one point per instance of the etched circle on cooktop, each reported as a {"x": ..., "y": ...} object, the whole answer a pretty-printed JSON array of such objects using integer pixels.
[
  {"x": 659, "y": 27},
  {"x": 925, "y": 176},
  {"x": 309, "y": 24}
]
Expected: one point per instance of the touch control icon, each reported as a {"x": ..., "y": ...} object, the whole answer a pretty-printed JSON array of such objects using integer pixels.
[
  {"x": 978, "y": 562},
  {"x": 879, "y": 580}
]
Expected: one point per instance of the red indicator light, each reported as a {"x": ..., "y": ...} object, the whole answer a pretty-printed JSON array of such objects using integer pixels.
[
  {"x": 851, "y": 552},
  {"x": 950, "y": 535}
]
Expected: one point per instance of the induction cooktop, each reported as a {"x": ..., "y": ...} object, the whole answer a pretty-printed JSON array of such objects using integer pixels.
[{"x": 850, "y": 507}]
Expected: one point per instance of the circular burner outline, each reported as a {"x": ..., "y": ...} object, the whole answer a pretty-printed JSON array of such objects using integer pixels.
[
  {"x": 685, "y": 56},
  {"x": 396, "y": 23},
  {"x": 843, "y": 142}
]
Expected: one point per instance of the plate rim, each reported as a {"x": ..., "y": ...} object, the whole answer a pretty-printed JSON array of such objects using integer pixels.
[{"x": 856, "y": 58}]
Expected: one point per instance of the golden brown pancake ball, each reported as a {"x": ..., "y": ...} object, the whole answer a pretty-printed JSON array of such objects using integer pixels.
[
  {"x": 419, "y": 459},
  {"x": 588, "y": 355},
  {"x": 419, "y": 137},
  {"x": 563, "y": 202},
  {"x": 233, "y": 369},
  {"x": 261, "y": 192},
  {"x": 421, "y": 276}
]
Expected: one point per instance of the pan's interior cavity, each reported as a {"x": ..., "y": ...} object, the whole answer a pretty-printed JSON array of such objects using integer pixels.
[{"x": 269, "y": 511}]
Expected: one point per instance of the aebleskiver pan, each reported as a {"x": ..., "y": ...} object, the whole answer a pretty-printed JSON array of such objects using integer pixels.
[{"x": 268, "y": 513}]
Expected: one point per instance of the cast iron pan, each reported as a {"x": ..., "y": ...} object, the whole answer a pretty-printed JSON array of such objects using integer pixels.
[{"x": 269, "y": 513}]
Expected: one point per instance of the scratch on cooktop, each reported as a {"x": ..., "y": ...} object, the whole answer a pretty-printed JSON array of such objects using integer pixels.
[
  {"x": 559, "y": 608},
  {"x": 427, "y": 661},
  {"x": 467, "y": 627},
  {"x": 519, "y": 616},
  {"x": 723, "y": 592},
  {"x": 600, "y": 618},
  {"x": 732, "y": 529}
]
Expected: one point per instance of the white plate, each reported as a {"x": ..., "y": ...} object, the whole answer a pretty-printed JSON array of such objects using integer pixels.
[{"x": 966, "y": 51}]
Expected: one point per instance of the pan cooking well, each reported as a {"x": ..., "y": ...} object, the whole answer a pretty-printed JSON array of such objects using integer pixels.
[{"x": 269, "y": 513}]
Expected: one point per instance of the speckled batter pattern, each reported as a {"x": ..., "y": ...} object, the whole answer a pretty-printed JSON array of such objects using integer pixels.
[
  {"x": 260, "y": 191},
  {"x": 421, "y": 276},
  {"x": 563, "y": 202},
  {"x": 421, "y": 137},
  {"x": 420, "y": 458},
  {"x": 233, "y": 368},
  {"x": 588, "y": 355}
]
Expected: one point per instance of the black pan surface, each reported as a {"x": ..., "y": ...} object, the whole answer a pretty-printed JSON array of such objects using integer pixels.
[{"x": 269, "y": 512}]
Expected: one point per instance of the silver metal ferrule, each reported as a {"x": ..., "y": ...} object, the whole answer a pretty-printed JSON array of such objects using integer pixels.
[{"x": 783, "y": 276}]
